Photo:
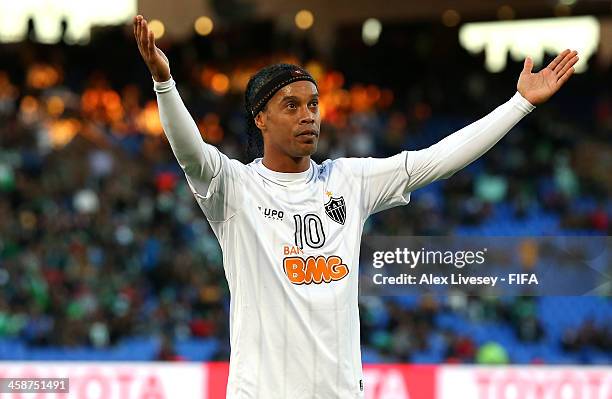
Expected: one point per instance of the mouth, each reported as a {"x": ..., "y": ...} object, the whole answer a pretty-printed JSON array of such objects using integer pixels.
[{"x": 308, "y": 133}]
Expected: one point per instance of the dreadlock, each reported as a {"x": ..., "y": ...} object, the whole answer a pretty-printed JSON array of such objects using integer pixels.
[{"x": 256, "y": 83}]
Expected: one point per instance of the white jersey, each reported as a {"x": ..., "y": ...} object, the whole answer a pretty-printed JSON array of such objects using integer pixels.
[{"x": 291, "y": 243}]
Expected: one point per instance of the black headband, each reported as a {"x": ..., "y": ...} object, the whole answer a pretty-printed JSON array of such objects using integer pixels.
[{"x": 280, "y": 80}]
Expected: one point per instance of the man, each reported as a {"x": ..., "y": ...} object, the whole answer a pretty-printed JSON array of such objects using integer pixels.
[{"x": 290, "y": 229}]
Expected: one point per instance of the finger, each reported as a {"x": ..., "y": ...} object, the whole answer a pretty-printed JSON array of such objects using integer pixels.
[
  {"x": 567, "y": 66},
  {"x": 528, "y": 65},
  {"x": 138, "y": 27},
  {"x": 137, "y": 30},
  {"x": 139, "y": 33},
  {"x": 151, "y": 43},
  {"x": 135, "y": 25},
  {"x": 144, "y": 36},
  {"x": 564, "y": 62},
  {"x": 558, "y": 59},
  {"x": 565, "y": 77}
]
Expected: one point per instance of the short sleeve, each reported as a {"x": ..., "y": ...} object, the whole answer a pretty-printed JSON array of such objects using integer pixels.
[{"x": 222, "y": 197}]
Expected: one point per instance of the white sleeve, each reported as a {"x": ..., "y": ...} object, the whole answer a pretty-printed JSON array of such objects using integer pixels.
[
  {"x": 387, "y": 182},
  {"x": 213, "y": 178},
  {"x": 380, "y": 182},
  {"x": 456, "y": 151}
]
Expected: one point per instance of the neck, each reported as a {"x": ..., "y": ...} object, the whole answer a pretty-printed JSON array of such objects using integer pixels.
[{"x": 286, "y": 164}]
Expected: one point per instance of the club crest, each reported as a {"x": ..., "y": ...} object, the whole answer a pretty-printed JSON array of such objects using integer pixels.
[{"x": 336, "y": 209}]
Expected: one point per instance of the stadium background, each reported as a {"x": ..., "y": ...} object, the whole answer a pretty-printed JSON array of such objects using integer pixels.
[{"x": 105, "y": 256}]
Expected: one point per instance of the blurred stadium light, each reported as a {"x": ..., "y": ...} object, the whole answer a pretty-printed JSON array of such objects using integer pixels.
[
  {"x": 531, "y": 38},
  {"x": 47, "y": 16}
]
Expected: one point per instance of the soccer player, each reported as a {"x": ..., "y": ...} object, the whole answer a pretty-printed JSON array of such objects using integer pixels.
[{"x": 290, "y": 228}]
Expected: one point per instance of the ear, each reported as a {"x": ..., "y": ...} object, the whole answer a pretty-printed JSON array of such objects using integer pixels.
[{"x": 260, "y": 121}]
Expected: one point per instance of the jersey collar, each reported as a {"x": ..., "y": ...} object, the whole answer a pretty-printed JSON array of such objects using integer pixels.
[{"x": 282, "y": 178}]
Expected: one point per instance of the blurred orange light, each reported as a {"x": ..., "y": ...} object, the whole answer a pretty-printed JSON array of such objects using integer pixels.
[
  {"x": 29, "y": 105},
  {"x": 304, "y": 19},
  {"x": 149, "y": 121},
  {"x": 240, "y": 79},
  {"x": 6, "y": 88},
  {"x": 345, "y": 98},
  {"x": 158, "y": 28},
  {"x": 316, "y": 69},
  {"x": 102, "y": 104},
  {"x": 55, "y": 106},
  {"x": 41, "y": 76},
  {"x": 111, "y": 99},
  {"x": 62, "y": 131},
  {"x": 324, "y": 108},
  {"x": 220, "y": 83},
  {"x": 90, "y": 100},
  {"x": 203, "y": 26},
  {"x": 359, "y": 98}
]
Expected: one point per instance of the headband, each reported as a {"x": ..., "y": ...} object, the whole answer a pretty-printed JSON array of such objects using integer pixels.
[{"x": 280, "y": 80}]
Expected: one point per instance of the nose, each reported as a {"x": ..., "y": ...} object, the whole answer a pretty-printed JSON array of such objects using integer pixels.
[{"x": 306, "y": 116}]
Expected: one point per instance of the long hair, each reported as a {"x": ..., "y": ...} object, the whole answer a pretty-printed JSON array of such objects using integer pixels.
[{"x": 255, "y": 146}]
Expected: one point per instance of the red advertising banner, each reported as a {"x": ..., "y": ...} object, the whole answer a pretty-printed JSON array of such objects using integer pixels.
[
  {"x": 395, "y": 381},
  {"x": 388, "y": 381}
]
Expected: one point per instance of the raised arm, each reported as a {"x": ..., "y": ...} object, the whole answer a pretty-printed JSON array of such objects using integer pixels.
[
  {"x": 461, "y": 148},
  {"x": 200, "y": 161}
]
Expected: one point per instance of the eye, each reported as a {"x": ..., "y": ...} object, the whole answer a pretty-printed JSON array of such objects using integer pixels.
[
  {"x": 315, "y": 103},
  {"x": 291, "y": 105}
]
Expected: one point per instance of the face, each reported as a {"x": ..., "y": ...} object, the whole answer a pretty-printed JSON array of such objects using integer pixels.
[{"x": 291, "y": 122}]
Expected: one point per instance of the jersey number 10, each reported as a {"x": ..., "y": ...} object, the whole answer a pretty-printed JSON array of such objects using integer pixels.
[{"x": 309, "y": 229}]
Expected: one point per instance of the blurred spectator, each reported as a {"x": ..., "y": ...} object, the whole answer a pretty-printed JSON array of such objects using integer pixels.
[
  {"x": 492, "y": 353},
  {"x": 167, "y": 353},
  {"x": 460, "y": 350}
]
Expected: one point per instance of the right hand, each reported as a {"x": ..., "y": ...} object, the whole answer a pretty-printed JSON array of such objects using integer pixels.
[{"x": 156, "y": 60}]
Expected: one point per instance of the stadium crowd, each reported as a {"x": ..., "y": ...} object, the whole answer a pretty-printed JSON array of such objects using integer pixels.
[{"x": 101, "y": 239}]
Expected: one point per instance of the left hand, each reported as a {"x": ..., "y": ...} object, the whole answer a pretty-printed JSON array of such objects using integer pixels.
[{"x": 539, "y": 87}]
